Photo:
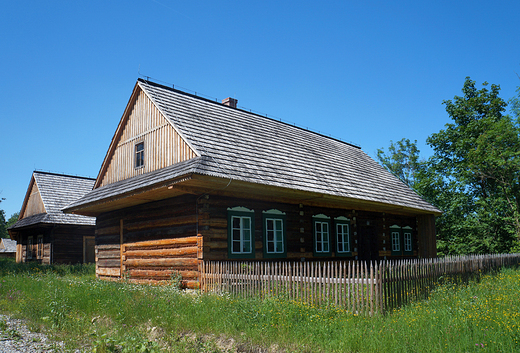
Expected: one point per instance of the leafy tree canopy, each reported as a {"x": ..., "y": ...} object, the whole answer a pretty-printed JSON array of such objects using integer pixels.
[
  {"x": 13, "y": 219},
  {"x": 6, "y": 224},
  {"x": 402, "y": 160},
  {"x": 473, "y": 174},
  {"x": 3, "y": 223}
]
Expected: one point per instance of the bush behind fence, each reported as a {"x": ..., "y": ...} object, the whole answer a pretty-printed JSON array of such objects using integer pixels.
[{"x": 356, "y": 286}]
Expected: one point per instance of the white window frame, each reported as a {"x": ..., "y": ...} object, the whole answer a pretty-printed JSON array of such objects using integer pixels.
[
  {"x": 322, "y": 221},
  {"x": 343, "y": 237},
  {"x": 408, "y": 242},
  {"x": 276, "y": 233},
  {"x": 241, "y": 214},
  {"x": 242, "y": 237},
  {"x": 396, "y": 240}
]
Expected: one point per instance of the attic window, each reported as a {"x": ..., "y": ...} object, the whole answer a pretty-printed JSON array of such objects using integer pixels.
[{"x": 139, "y": 155}]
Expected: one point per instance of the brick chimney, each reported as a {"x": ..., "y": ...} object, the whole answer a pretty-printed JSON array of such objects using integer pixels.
[{"x": 230, "y": 102}]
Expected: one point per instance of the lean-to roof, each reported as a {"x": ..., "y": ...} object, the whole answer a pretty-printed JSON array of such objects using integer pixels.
[{"x": 239, "y": 145}]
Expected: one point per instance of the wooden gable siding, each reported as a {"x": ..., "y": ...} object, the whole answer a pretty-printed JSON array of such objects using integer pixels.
[
  {"x": 163, "y": 146},
  {"x": 34, "y": 203}
]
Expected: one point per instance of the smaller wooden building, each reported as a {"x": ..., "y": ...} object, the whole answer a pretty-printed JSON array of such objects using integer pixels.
[
  {"x": 43, "y": 232},
  {"x": 7, "y": 248}
]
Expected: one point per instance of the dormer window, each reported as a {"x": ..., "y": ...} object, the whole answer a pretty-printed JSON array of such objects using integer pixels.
[{"x": 139, "y": 155}]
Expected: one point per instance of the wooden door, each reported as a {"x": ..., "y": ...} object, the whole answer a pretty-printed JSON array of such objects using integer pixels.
[
  {"x": 89, "y": 254},
  {"x": 367, "y": 242}
]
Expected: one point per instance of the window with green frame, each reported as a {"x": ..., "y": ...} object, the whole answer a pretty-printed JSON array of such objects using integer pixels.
[
  {"x": 241, "y": 233},
  {"x": 401, "y": 240},
  {"x": 275, "y": 243},
  {"x": 322, "y": 238},
  {"x": 395, "y": 239},
  {"x": 407, "y": 240},
  {"x": 343, "y": 244}
]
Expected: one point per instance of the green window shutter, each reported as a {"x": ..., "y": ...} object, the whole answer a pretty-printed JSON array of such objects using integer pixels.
[{"x": 241, "y": 233}]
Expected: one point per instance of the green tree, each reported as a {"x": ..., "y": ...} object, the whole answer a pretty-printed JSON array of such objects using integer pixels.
[
  {"x": 514, "y": 105},
  {"x": 402, "y": 160},
  {"x": 3, "y": 223},
  {"x": 474, "y": 174},
  {"x": 13, "y": 219}
]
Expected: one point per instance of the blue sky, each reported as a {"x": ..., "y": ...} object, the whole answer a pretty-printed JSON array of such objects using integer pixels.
[{"x": 363, "y": 71}]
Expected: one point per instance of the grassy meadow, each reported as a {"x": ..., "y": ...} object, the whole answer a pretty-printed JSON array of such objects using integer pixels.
[{"x": 68, "y": 303}]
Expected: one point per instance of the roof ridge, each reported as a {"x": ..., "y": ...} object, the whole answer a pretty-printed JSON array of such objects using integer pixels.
[
  {"x": 173, "y": 89},
  {"x": 62, "y": 174}
]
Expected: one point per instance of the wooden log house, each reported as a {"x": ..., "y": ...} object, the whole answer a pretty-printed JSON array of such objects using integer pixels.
[
  {"x": 7, "y": 248},
  {"x": 43, "y": 232},
  {"x": 187, "y": 179}
]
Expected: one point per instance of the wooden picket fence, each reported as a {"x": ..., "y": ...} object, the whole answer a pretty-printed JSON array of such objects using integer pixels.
[
  {"x": 408, "y": 280},
  {"x": 356, "y": 286},
  {"x": 352, "y": 285}
]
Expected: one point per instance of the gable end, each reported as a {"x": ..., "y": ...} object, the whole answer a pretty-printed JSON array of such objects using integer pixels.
[{"x": 145, "y": 141}]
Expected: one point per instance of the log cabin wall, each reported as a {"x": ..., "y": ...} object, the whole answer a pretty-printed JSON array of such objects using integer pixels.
[
  {"x": 68, "y": 243},
  {"x": 149, "y": 242},
  {"x": 158, "y": 240},
  {"x": 40, "y": 252},
  {"x": 369, "y": 230},
  {"x": 59, "y": 244},
  {"x": 163, "y": 146}
]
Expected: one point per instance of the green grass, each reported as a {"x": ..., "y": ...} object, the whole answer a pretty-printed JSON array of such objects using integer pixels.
[{"x": 121, "y": 317}]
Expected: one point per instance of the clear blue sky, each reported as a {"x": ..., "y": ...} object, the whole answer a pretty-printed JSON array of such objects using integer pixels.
[{"x": 364, "y": 71}]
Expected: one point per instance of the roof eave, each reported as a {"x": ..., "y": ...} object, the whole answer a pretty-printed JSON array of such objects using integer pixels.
[{"x": 97, "y": 207}]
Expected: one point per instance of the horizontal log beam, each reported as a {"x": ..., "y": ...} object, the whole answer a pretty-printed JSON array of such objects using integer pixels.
[
  {"x": 216, "y": 244},
  {"x": 109, "y": 262},
  {"x": 108, "y": 271},
  {"x": 159, "y": 223},
  {"x": 171, "y": 241},
  {"x": 192, "y": 250},
  {"x": 222, "y": 223},
  {"x": 166, "y": 274},
  {"x": 192, "y": 284},
  {"x": 107, "y": 247},
  {"x": 108, "y": 254},
  {"x": 178, "y": 262}
]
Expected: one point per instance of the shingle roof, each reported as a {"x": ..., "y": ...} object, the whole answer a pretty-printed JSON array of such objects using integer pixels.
[
  {"x": 57, "y": 191},
  {"x": 10, "y": 245},
  {"x": 244, "y": 146},
  {"x": 139, "y": 182}
]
